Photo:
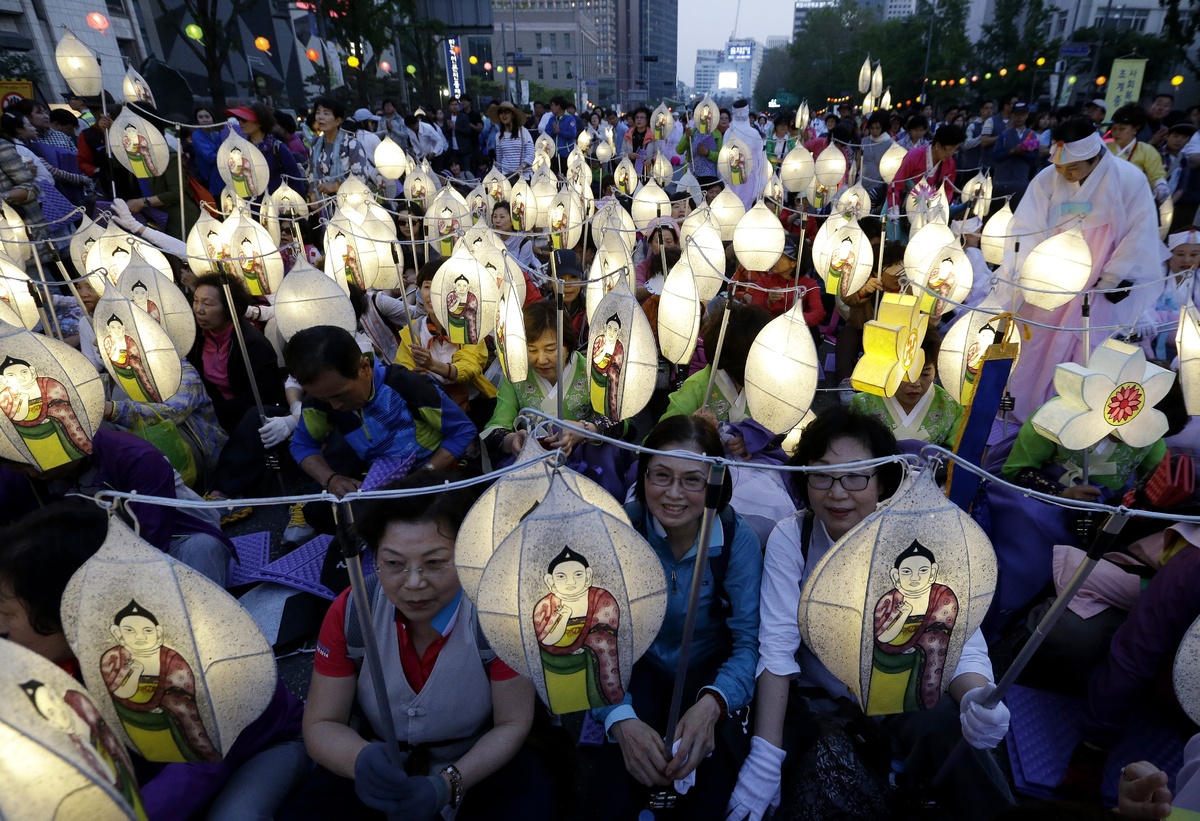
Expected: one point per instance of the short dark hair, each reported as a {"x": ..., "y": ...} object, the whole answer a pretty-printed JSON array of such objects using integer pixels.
[
  {"x": 445, "y": 508},
  {"x": 237, "y": 290},
  {"x": 931, "y": 346},
  {"x": 745, "y": 322},
  {"x": 331, "y": 105},
  {"x": 916, "y": 121},
  {"x": 429, "y": 270},
  {"x": 559, "y": 100},
  {"x": 64, "y": 116},
  {"x": 1073, "y": 129},
  {"x": 541, "y": 317},
  {"x": 314, "y": 351},
  {"x": 950, "y": 134},
  {"x": 266, "y": 120},
  {"x": 1133, "y": 115},
  {"x": 879, "y": 118},
  {"x": 464, "y": 98},
  {"x": 683, "y": 429},
  {"x": 836, "y": 423},
  {"x": 42, "y": 550}
]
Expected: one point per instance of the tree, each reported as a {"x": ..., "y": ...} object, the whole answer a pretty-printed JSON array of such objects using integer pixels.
[
  {"x": 1159, "y": 54},
  {"x": 1017, "y": 34},
  {"x": 1181, "y": 26},
  {"x": 374, "y": 23},
  {"x": 774, "y": 74},
  {"x": 16, "y": 65},
  {"x": 217, "y": 19},
  {"x": 421, "y": 43}
]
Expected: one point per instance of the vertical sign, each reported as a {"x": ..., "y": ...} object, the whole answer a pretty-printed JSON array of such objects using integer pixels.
[
  {"x": 1124, "y": 83},
  {"x": 455, "y": 75}
]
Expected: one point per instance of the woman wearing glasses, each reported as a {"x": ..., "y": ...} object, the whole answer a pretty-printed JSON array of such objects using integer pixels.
[
  {"x": 793, "y": 686},
  {"x": 720, "y": 679},
  {"x": 461, "y": 715}
]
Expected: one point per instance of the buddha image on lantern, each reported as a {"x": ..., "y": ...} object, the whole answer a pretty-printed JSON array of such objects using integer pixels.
[
  {"x": 74, "y": 715},
  {"x": 479, "y": 207},
  {"x": 120, "y": 258},
  {"x": 576, "y": 625},
  {"x": 558, "y": 226},
  {"x": 662, "y": 126},
  {"x": 416, "y": 189},
  {"x": 942, "y": 282},
  {"x": 242, "y": 172},
  {"x": 87, "y": 247},
  {"x": 913, "y": 623},
  {"x": 42, "y": 415},
  {"x": 141, "y": 298},
  {"x": 137, "y": 148},
  {"x": 704, "y": 119},
  {"x": 623, "y": 179},
  {"x": 496, "y": 191},
  {"x": 518, "y": 214},
  {"x": 608, "y": 359},
  {"x": 343, "y": 250},
  {"x": 841, "y": 266},
  {"x": 125, "y": 356},
  {"x": 154, "y": 691},
  {"x": 141, "y": 93},
  {"x": 252, "y": 269},
  {"x": 463, "y": 308},
  {"x": 1124, "y": 403},
  {"x": 447, "y": 227},
  {"x": 737, "y": 165}
]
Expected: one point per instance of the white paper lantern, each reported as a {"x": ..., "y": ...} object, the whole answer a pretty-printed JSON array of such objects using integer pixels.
[
  {"x": 162, "y": 300},
  {"x": 135, "y": 350},
  {"x": 994, "y": 239},
  {"x": 796, "y": 172},
  {"x": 204, "y": 247},
  {"x": 350, "y": 255},
  {"x": 14, "y": 238},
  {"x": 843, "y": 255},
  {"x": 877, "y": 81},
  {"x": 135, "y": 89},
  {"x": 948, "y": 275},
  {"x": 1183, "y": 674},
  {"x": 307, "y": 298},
  {"x": 465, "y": 298},
  {"x": 545, "y": 146},
  {"x": 706, "y": 115},
  {"x": 1058, "y": 268},
  {"x": 782, "y": 372},
  {"x": 963, "y": 347},
  {"x": 679, "y": 314},
  {"x": 923, "y": 244},
  {"x": 727, "y": 209},
  {"x": 661, "y": 122},
  {"x": 78, "y": 66},
  {"x": 523, "y": 207},
  {"x": 615, "y": 219},
  {"x": 138, "y": 145},
  {"x": 446, "y": 219},
  {"x": 659, "y": 168},
  {"x": 421, "y": 185},
  {"x": 650, "y": 202},
  {"x": 242, "y": 166},
  {"x": 802, "y": 116},
  {"x": 114, "y": 250},
  {"x": 612, "y": 262},
  {"x": 623, "y": 356},
  {"x": 1187, "y": 341},
  {"x": 185, "y": 666},
  {"x": 1166, "y": 214},
  {"x": 879, "y": 577},
  {"x": 82, "y": 241},
  {"x": 625, "y": 177},
  {"x": 868, "y": 104},
  {"x": 510, "y": 344},
  {"x": 565, "y": 220},
  {"x": 252, "y": 255},
  {"x": 885, "y": 102},
  {"x": 864, "y": 76},
  {"x": 544, "y": 186},
  {"x": 758, "y": 238},
  {"x": 15, "y": 298},
  {"x": 853, "y": 201},
  {"x": 287, "y": 200},
  {"x": 497, "y": 187},
  {"x": 890, "y": 162},
  {"x": 735, "y": 161},
  {"x": 390, "y": 159},
  {"x": 830, "y": 166}
]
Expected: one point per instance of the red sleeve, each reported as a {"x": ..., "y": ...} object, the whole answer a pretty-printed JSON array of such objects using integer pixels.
[
  {"x": 814, "y": 309},
  {"x": 84, "y": 156},
  {"x": 331, "y": 659},
  {"x": 499, "y": 671},
  {"x": 532, "y": 294}
]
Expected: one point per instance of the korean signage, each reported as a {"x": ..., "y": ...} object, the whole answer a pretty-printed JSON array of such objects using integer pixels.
[
  {"x": 456, "y": 77},
  {"x": 739, "y": 53},
  {"x": 1124, "y": 83}
]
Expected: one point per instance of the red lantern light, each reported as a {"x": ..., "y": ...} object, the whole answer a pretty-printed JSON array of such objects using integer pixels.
[
  {"x": 1020, "y": 67},
  {"x": 97, "y": 21},
  {"x": 313, "y": 54},
  {"x": 487, "y": 66},
  {"x": 385, "y": 66}
]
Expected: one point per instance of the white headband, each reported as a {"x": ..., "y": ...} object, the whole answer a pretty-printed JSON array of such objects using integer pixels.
[
  {"x": 1191, "y": 237},
  {"x": 1062, "y": 153}
]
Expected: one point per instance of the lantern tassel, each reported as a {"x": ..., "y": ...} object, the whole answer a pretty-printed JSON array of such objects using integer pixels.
[
  {"x": 712, "y": 497},
  {"x": 1103, "y": 541}
]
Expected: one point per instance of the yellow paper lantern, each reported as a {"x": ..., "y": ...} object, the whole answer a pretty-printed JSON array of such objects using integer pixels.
[
  {"x": 649, "y": 203},
  {"x": 158, "y": 296},
  {"x": 758, "y": 238},
  {"x": 170, "y": 648},
  {"x": 1114, "y": 395},
  {"x": 727, "y": 209},
  {"x": 623, "y": 357},
  {"x": 307, "y": 298},
  {"x": 252, "y": 255},
  {"x": 918, "y": 558},
  {"x": 1187, "y": 342},
  {"x": 625, "y": 177},
  {"x": 679, "y": 314},
  {"x": 139, "y": 146},
  {"x": 135, "y": 350},
  {"x": 890, "y": 162},
  {"x": 706, "y": 115},
  {"x": 17, "y": 305},
  {"x": 796, "y": 172},
  {"x": 830, "y": 166},
  {"x": 1058, "y": 268},
  {"x": 78, "y": 66},
  {"x": 994, "y": 239},
  {"x": 465, "y": 298},
  {"x": 843, "y": 255},
  {"x": 735, "y": 161},
  {"x": 782, "y": 372},
  {"x": 892, "y": 346},
  {"x": 61, "y": 759},
  {"x": 963, "y": 347},
  {"x": 242, "y": 166},
  {"x": 51, "y": 400},
  {"x": 528, "y": 587}
]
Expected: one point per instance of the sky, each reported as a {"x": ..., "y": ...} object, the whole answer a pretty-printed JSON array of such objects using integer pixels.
[{"x": 709, "y": 23}]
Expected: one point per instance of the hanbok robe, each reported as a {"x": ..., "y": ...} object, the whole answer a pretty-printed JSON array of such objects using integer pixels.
[
  {"x": 935, "y": 418},
  {"x": 581, "y": 668}
]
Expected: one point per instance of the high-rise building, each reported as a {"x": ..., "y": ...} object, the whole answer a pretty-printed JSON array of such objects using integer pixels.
[
  {"x": 777, "y": 41},
  {"x": 599, "y": 17},
  {"x": 899, "y": 9},
  {"x": 708, "y": 64},
  {"x": 557, "y": 48},
  {"x": 803, "y": 7},
  {"x": 647, "y": 39}
]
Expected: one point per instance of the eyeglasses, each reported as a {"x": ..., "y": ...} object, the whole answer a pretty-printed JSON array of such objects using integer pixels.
[
  {"x": 431, "y": 569},
  {"x": 690, "y": 482},
  {"x": 848, "y": 481}
]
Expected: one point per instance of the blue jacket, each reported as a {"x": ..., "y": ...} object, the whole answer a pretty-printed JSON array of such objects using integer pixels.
[
  {"x": 568, "y": 130},
  {"x": 736, "y": 639},
  {"x": 406, "y": 415}
]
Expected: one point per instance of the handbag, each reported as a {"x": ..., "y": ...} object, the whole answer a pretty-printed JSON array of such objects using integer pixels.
[
  {"x": 200, "y": 193},
  {"x": 1172, "y": 483},
  {"x": 165, "y": 436}
]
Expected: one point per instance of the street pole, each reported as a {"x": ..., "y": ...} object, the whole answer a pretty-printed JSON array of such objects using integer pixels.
[{"x": 928, "y": 50}]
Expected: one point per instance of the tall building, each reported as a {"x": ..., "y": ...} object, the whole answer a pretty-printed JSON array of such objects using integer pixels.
[
  {"x": 647, "y": 40},
  {"x": 599, "y": 17},
  {"x": 556, "y": 47},
  {"x": 803, "y": 7},
  {"x": 708, "y": 64},
  {"x": 777, "y": 41},
  {"x": 899, "y": 9}
]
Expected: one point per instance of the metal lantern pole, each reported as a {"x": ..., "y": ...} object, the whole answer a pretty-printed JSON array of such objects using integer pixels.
[
  {"x": 558, "y": 310},
  {"x": 712, "y": 373}
]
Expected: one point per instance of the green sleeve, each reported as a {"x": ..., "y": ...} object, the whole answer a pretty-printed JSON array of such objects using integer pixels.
[
  {"x": 681, "y": 147},
  {"x": 690, "y": 396},
  {"x": 507, "y": 408},
  {"x": 1031, "y": 450},
  {"x": 1155, "y": 455}
]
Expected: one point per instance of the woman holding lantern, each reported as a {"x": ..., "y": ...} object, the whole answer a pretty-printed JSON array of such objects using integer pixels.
[{"x": 794, "y": 687}]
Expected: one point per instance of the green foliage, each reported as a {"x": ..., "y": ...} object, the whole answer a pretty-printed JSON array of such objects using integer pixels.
[
  {"x": 774, "y": 74},
  {"x": 17, "y": 65},
  {"x": 1180, "y": 30},
  {"x": 1017, "y": 33},
  {"x": 218, "y": 20},
  {"x": 1159, "y": 53}
]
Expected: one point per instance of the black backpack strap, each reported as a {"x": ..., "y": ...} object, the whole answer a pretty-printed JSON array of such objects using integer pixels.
[
  {"x": 355, "y": 643},
  {"x": 719, "y": 563},
  {"x": 807, "y": 520}
]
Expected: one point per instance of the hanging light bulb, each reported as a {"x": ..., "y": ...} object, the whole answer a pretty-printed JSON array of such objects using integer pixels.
[
  {"x": 758, "y": 238},
  {"x": 1059, "y": 267}
]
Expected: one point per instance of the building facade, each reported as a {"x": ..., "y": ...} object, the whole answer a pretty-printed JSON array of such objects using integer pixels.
[{"x": 556, "y": 47}]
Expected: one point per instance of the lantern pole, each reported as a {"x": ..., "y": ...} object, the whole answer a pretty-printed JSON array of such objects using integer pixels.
[
  {"x": 183, "y": 192},
  {"x": 49, "y": 305},
  {"x": 558, "y": 311},
  {"x": 237, "y": 330},
  {"x": 1103, "y": 541},
  {"x": 712, "y": 496},
  {"x": 712, "y": 373}
]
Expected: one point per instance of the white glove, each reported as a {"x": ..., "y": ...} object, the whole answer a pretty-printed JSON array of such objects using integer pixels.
[
  {"x": 1161, "y": 191},
  {"x": 277, "y": 429},
  {"x": 1147, "y": 329},
  {"x": 982, "y": 728},
  {"x": 123, "y": 216},
  {"x": 758, "y": 782}
]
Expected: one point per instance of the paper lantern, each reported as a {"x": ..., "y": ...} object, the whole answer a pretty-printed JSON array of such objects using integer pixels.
[
  {"x": 706, "y": 115},
  {"x": 390, "y": 159},
  {"x": 61, "y": 758},
  {"x": 853, "y": 201},
  {"x": 661, "y": 122},
  {"x": 569, "y": 559},
  {"x": 135, "y": 350},
  {"x": 877, "y": 81},
  {"x": 1187, "y": 342},
  {"x": 612, "y": 262},
  {"x": 889, "y": 163},
  {"x": 1058, "y": 268},
  {"x": 14, "y": 238},
  {"x": 944, "y": 282},
  {"x": 51, "y": 400},
  {"x": 523, "y": 207},
  {"x": 379, "y": 227},
  {"x": 797, "y": 170},
  {"x": 650, "y": 202},
  {"x": 565, "y": 220},
  {"x": 1166, "y": 214},
  {"x": 659, "y": 168},
  {"x": 924, "y": 243},
  {"x": 679, "y": 314},
  {"x": 963, "y": 347},
  {"x": 1115, "y": 394},
  {"x": 135, "y": 89},
  {"x": 204, "y": 247},
  {"x": 802, "y": 116},
  {"x": 774, "y": 192},
  {"x": 17, "y": 305},
  {"x": 349, "y": 253},
  {"x": 758, "y": 238},
  {"x": 703, "y": 252},
  {"x": 444, "y": 221},
  {"x": 885, "y": 102},
  {"x": 288, "y": 200},
  {"x": 735, "y": 161},
  {"x": 830, "y": 166},
  {"x": 977, "y": 193},
  {"x": 184, "y": 665},
  {"x": 918, "y": 557},
  {"x": 161, "y": 300},
  {"x": 511, "y": 347},
  {"x": 1187, "y": 662},
  {"x": 497, "y": 187},
  {"x": 307, "y": 298},
  {"x": 925, "y": 204},
  {"x": 421, "y": 185},
  {"x": 868, "y": 104},
  {"x": 242, "y": 166},
  {"x": 782, "y": 372},
  {"x": 544, "y": 186},
  {"x": 843, "y": 255},
  {"x": 114, "y": 250},
  {"x": 727, "y": 209},
  {"x": 78, "y": 66},
  {"x": 251, "y": 255},
  {"x": 545, "y": 146},
  {"x": 994, "y": 239},
  {"x": 892, "y": 347},
  {"x": 465, "y": 298},
  {"x": 604, "y": 150},
  {"x": 623, "y": 357},
  {"x": 82, "y": 241},
  {"x": 612, "y": 218},
  {"x": 864, "y": 76},
  {"x": 625, "y": 177}
]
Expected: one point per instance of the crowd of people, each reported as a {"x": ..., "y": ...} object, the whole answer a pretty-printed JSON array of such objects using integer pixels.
[{"x": 414, "y": 397}]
